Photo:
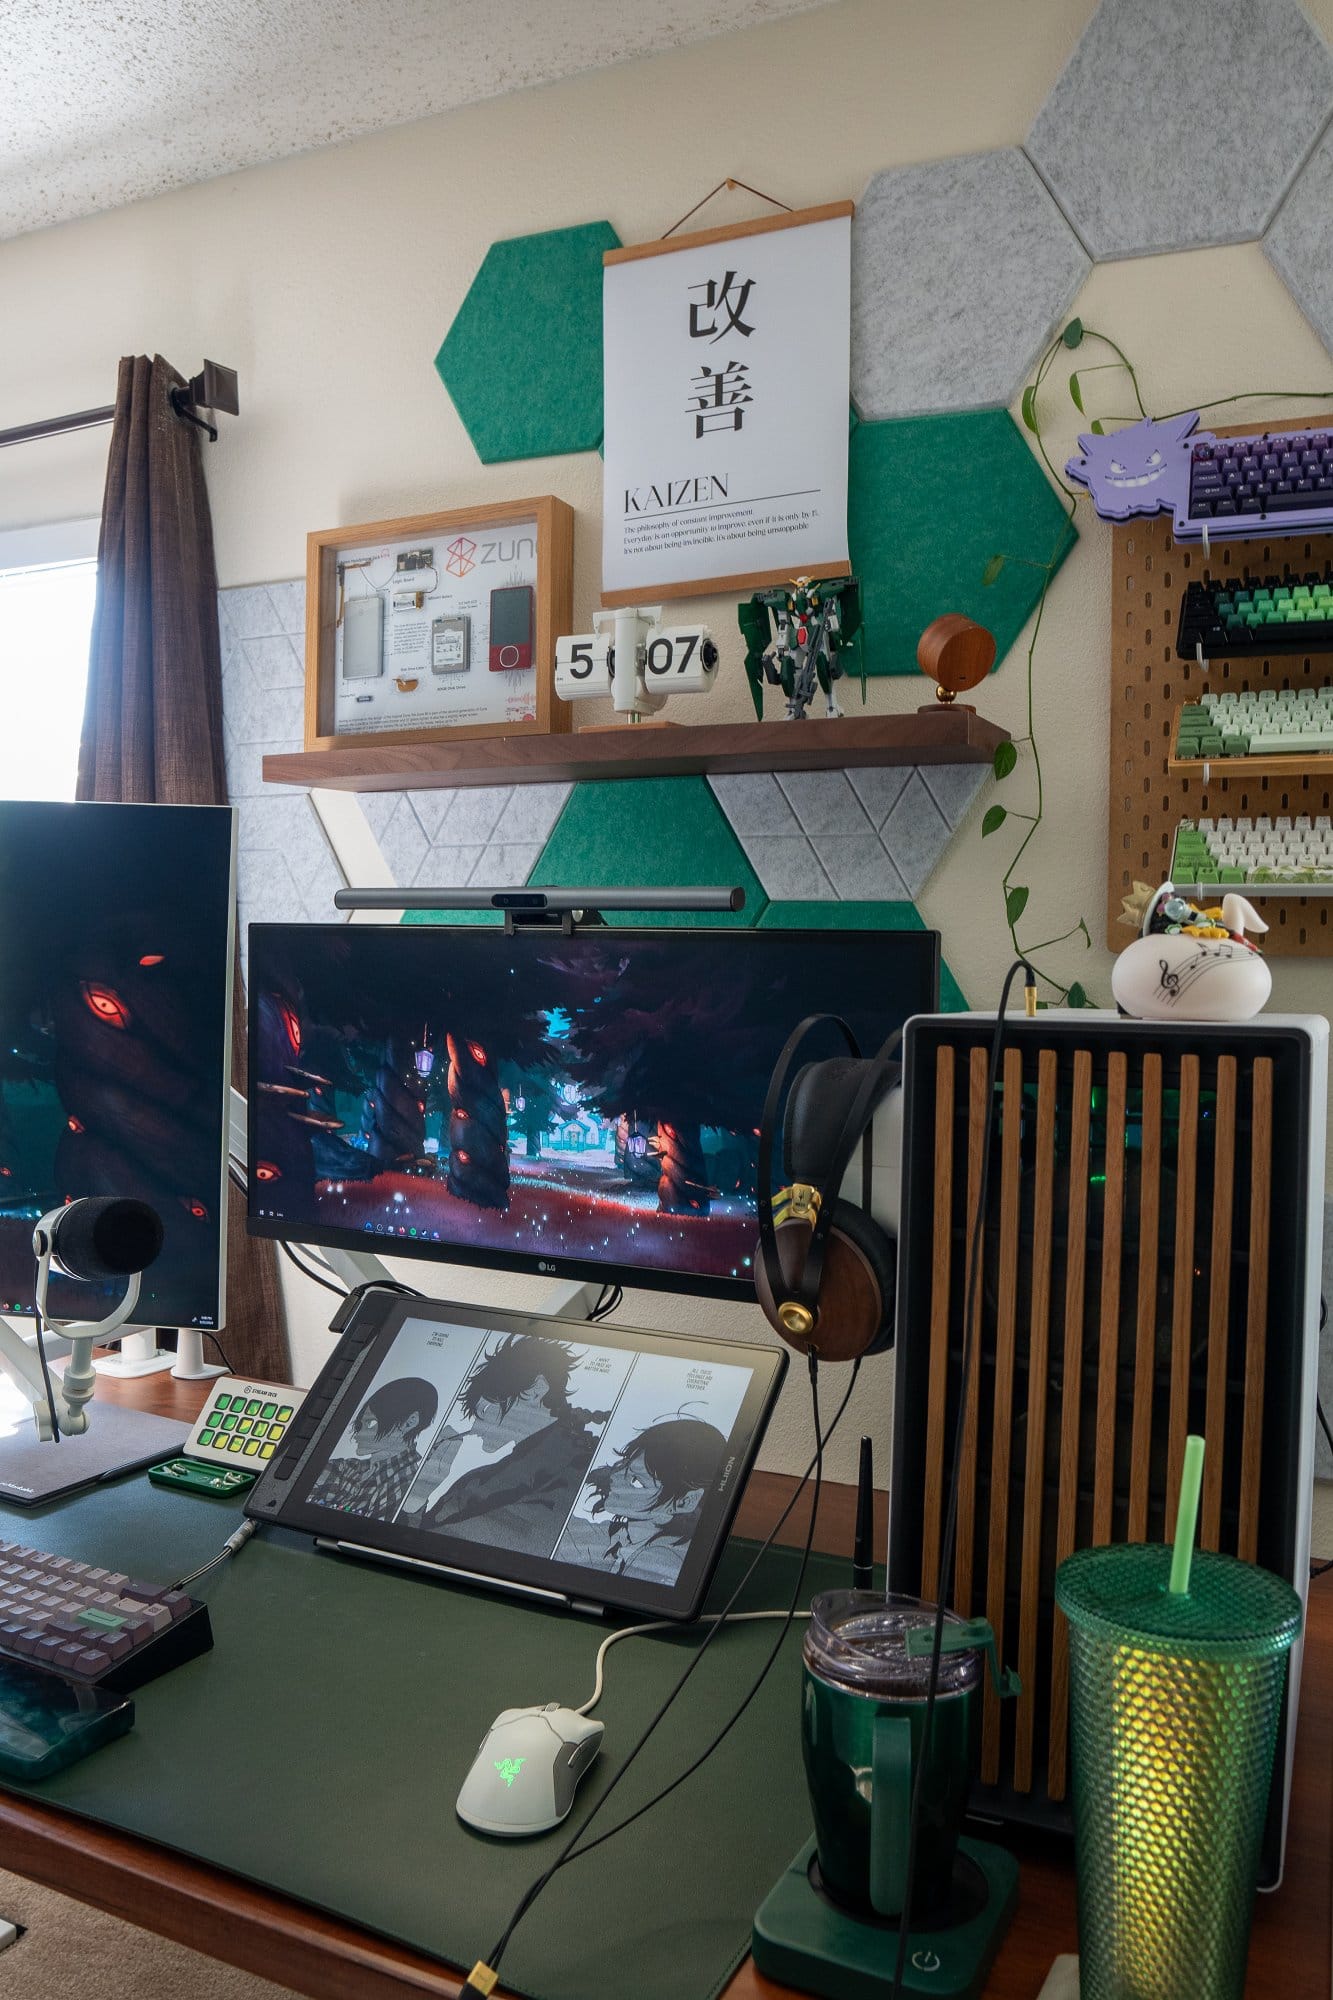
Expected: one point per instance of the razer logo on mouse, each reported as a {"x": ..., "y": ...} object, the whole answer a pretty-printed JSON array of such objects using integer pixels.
[{"x": 509, "y": 1767}]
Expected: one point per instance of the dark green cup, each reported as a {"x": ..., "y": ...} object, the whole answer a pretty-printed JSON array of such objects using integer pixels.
[{"x": 863, "y": 1704}]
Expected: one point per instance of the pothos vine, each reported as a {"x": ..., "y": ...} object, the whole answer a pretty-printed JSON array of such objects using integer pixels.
[{"x": 1016, "y": 894}]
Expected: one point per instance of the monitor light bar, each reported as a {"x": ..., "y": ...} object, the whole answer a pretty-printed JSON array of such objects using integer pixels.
[{"x": 528, "y": 902}]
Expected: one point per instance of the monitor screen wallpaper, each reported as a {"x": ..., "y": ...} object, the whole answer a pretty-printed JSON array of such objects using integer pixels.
[{"x": 571, "y": 1105}]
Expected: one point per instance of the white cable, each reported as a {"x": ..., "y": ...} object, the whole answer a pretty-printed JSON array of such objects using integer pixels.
[{"x": 668, "y": 1625}]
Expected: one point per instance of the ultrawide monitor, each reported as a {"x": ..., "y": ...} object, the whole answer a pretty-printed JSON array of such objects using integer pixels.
[
  {"x": 583, "y": 1106},
  {"x": 116, "y": 944}
]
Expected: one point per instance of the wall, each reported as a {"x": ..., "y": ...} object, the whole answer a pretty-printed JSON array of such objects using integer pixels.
[{"x": 328, "y": 282}]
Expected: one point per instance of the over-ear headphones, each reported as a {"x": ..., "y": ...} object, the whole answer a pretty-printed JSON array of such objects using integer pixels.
[{"x": 826, "y": 1273}]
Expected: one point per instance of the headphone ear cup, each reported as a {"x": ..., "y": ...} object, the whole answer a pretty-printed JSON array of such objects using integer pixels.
[
  {"x": 856, "y": 1288},
  {"x": 862, "y": 1235}
]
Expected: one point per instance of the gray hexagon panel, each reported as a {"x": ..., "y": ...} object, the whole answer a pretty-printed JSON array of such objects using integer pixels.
[
  {"x": 847, "y": 836},
  {"x": 1181, "y": 123},
  {"x": 1297, "y": 245},
  {"x": 961, "y": 270}
]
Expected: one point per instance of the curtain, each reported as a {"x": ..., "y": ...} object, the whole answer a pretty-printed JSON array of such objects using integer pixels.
[{"x": 152, "y": 725}]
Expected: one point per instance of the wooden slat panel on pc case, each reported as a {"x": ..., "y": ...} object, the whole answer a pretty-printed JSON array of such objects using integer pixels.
[
  {"x": 1108, "y": 1348},
  {"x": 1182, "y": 1282},
  {"x": 967, "y": 1482},
  {"x": 1256, "y": 1309},
  {"x": 1034, "y": 1474},
  {"x": 1219, "y": 1301},
  {"x": 940, "y": 1265},
  {"x": 1006, "y": 1324},
  {"x": 1076, "y": 1260},
  {"x": 1145, "y": 1337}
]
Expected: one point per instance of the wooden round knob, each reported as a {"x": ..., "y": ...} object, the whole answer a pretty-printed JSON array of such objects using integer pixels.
[{"x": 955, "y": 652}]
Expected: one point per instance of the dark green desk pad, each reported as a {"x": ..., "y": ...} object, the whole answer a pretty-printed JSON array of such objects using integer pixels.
[{"x": 319, "y": 1747}]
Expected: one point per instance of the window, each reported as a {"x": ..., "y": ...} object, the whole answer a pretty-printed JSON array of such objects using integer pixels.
[{"x": 48, "y": 580}]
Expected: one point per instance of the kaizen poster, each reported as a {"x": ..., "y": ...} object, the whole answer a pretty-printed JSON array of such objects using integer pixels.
[{"x": 726, "y": 369}]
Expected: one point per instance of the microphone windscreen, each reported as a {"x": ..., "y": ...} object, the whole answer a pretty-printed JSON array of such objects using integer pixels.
[{"x": 106, "y": 1236}]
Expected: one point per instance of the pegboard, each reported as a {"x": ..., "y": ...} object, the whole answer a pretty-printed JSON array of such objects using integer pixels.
[{"x": 1150, "y": 572}]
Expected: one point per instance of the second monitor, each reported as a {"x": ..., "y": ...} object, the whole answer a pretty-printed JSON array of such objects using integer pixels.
[{"x": 576, "y": 1106}]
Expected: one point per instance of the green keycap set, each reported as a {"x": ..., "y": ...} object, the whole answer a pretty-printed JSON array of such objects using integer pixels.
[
  {"x": 1249, "y": 617},
  {"x": 243, "y": 1421},
  {"x": 1294, "y": 722},
  {"x": 1254, "y": 853}
]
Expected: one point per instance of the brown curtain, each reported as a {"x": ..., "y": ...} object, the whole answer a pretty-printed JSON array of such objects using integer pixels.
[{"x": 152, "y": 725}]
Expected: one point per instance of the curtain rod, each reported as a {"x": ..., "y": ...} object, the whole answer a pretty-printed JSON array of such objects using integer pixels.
[{"x": 213, "y": 389}]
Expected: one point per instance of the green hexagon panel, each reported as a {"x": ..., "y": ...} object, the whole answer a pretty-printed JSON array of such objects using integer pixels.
[
  {"x": 523, "y": 358},
  {"x": 653, "y": 833},
  {"x": 930, "y": 501},
  {"x": 861, "y": 917}
]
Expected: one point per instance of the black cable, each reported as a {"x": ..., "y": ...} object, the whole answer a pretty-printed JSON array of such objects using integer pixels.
[
  {"x": 46, "y": 1378},
  {"x": 1319, "y": 1412},
  {"x": 329, "y": 1284},
  {"x": 609, "y": 1300},
  {"x": 568, "y": 1853},
  {"x": 208, "y": 1335},
  {"x": 943, "y": 1580}
]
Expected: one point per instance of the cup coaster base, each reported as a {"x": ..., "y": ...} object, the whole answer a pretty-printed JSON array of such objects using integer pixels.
[{"x": 802, "y": 1939}]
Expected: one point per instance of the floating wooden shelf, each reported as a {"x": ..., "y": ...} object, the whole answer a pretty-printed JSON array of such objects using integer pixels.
[{"x": 933, "y": 735}]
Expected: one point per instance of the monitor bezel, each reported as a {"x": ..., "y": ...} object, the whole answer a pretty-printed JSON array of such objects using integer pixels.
[{"x": 634, "y": 1277}]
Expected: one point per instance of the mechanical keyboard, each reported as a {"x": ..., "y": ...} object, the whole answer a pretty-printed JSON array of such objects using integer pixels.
[
  {"x": 1248, "y": 617},
  {"x": 1274, "y": 722},
  {"x": 1255, "y": 853},
  {"x": 1285, "y": 479},
  {"x": 94, "y": 1625}
]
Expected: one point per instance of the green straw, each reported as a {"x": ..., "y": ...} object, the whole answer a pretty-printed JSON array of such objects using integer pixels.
[{"x": 1187, "y": 1516}]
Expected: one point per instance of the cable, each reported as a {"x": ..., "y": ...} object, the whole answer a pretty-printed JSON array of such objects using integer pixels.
[
  {"x": 481, "y": 1981},
  {"x": 669, "y": 1625},
  {"x": 329, "y": 1284},
  {"x": 220, "y": 1348},
  {"x": 609, "y": 1300},
  {"x": 232, "y": 1546},
  {"x": 1323, "y": 1420},
  {"x": 46, "y": 1379},
  {"x": 974, "y": 1261}
]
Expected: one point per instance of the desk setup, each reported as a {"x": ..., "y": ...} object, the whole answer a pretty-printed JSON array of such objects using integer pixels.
[{"x": 328, "y": 1681}]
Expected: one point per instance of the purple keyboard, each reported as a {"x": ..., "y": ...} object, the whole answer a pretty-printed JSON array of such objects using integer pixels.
[
  {"x": 1287, "y": 477},
  {"x": 92, "y": 1624}
]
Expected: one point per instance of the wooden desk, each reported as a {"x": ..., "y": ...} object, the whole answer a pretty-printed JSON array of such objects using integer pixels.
[{"x": 297, "y": 1947}]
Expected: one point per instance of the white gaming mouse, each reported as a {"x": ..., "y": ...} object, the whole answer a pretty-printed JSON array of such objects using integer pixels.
[{"x": 527, "y": 1770}]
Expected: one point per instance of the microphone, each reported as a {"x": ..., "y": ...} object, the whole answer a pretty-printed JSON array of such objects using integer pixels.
[{"x": 100, "y": 1236}]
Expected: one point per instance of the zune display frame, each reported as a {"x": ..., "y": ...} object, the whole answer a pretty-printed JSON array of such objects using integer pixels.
[
  {"x": 655, "y": 1395},
  {"x": 381, "y": 1055}
]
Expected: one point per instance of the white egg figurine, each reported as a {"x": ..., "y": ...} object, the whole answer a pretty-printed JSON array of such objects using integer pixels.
[{"x": 1192, "y": 966}]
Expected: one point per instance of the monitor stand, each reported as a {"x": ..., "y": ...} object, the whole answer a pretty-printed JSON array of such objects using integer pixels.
[{"x": 139, "y": 1355}]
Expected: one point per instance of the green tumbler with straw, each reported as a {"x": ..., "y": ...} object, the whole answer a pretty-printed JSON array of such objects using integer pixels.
[{"x": 1177, "y": 1667}]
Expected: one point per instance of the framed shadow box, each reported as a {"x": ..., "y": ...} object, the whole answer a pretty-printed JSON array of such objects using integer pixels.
[{"x": 438, "y": 625}]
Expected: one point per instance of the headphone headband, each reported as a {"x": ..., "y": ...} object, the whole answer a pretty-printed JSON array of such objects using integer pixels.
[{"x": 881, "y": 1073}]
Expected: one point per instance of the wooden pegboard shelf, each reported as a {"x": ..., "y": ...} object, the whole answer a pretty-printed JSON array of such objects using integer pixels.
[
  {"x": 1151, "y": 790},
  {"x": 932, "y": 735}
]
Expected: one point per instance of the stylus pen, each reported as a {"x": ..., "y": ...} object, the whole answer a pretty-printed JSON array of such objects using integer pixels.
[{"x": 863, "y": 1549}]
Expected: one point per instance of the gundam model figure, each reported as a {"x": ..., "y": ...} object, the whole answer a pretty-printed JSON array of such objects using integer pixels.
[{"x": 795, "y": 637}]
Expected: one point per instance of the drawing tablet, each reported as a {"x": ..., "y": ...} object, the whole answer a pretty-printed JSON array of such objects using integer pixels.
[{"x": 576, "y": 1462}]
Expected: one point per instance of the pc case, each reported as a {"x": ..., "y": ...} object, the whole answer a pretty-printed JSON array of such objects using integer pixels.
[{"x": 1151, "y": 1267}]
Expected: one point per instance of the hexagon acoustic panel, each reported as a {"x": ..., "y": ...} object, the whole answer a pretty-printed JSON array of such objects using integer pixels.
[
  {"x": 653, "y": 833},
  {"x": 961, "y": 270},
  {"x": 1177, "y": 124},
  {"x": 930, "y": 501},
  {"x": 1297, "y": 245},
  {"x": 523, "y": 358}
]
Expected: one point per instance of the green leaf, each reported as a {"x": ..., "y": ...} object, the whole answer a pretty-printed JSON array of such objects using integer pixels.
[
  {"x": 1098, "y": 428},
  {"x": 1076, "y": 393},
  {"x": 1004, "y": 759},
  {"x": 991, "y": 571},
  {"x": 994, "y": 820},
  {"x": 1073, "y": 336},
  {"x": 1015, "y": 902},
  {"x": 1077, "y": 997},
  {"x": 1030, "y": 409}
]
